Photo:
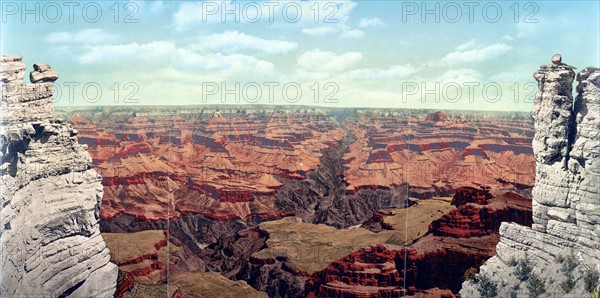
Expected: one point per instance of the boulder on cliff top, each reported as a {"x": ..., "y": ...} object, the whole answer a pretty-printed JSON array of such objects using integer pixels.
[{"x": 42, "y": 73}]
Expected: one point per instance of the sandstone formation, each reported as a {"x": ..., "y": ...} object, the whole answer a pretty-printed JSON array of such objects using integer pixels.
[
  {"x": 564, "y": 243},
  {"x": 50, "y": 237}
]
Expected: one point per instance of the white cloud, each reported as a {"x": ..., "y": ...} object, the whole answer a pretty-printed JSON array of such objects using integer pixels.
[
  {"x": 165, "y": 54},
  {"x": 370, "y": 22},
  {"x": 88, "y": 36},
  {"x": 345, "y": 31},
  {"x": 540, "y": 25},
  {"x": 285, "y": 13},
  {"x": 310, "y": 17},
  {"x": 218, "y": 61},
  {"x": 508, "y": 37},
  {"x": 459, "y": 76},
  {"x": 141, "y": 6},
  {"x": 354, "y": 96},
  {"x": 467, "y": 45},
  {"x": 527, "y": 29},
  {"x": 113, "y": 53},
  {"x": 331, "y": 18},
  {"x": 504, "y": 77},
  {"x": 196, "y": 13},
  {"x": 476, "y": 54},
  {"x": 336, "y": 12},
  {"x": 328, "y": 61},
  {"x": 156, "y": 6},
  {"x": 355, "y": 33},
  {"x": 396, "y": 71},
  {"x": 234, "y": 41}
]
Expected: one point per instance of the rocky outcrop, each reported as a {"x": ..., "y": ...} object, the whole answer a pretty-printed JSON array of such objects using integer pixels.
[
  {"x": 50, "y": 238},
  {"x": 562, "y": 246},
  {"x": 475, "y": 220},
  {"x": 377, "y": 222},
  {"x": 466, "y": 195},
  {"x": 393, "y": 271}
]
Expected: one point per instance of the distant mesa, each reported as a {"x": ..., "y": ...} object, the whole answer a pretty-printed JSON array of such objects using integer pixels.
[{"x": 438, "y": 116}]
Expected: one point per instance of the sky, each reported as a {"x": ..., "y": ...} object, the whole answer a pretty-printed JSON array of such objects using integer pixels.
[{"x": 475, "y": 55}]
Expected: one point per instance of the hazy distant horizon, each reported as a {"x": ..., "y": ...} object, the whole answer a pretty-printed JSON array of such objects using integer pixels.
[{"x": 147, "y": 108}]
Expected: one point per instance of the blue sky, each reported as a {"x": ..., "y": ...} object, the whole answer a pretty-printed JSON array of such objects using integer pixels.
[{"x": 355, "y": 53}]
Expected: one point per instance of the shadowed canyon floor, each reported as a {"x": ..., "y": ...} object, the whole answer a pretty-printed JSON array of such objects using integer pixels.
[{"x": 305, "y": 202}]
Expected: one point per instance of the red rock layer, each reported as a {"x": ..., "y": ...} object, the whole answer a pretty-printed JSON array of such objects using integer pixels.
[
  {"x": 155, "y": 266},
  {"x": 465, "y": 195},
  {"x": 472, "y": 221},
  {"x": 393, "y": 271},
  {"x": 438, "y": 154},
  {"x": 159, "y": 167},
  {"x": 125, "y": 283}
]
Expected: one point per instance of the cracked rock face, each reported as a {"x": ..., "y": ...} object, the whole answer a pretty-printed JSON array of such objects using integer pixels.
[
  {"x": 49, "y": 233},
  {"x": 566, "y": 195}
]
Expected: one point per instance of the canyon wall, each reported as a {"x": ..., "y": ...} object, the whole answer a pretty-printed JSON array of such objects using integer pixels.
[
  {"x": 49, "y": 233},
  {"x": 563, "y": 245}
]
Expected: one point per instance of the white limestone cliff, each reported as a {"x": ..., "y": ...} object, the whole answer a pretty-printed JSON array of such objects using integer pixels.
[
  {"x": 563, "y": 246},
  {"x": 49, "y": 234}
]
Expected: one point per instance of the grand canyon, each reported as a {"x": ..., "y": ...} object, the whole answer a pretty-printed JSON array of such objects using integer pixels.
[
  {"x": 299, "y": 148},
  {"x": 299, "y": 201},
  {"x": 289, "y": 201}
]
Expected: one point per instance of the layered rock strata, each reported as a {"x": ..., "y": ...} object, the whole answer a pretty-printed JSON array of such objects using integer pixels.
[
  {"x": 438, "y": 154},
  {"x": 563, "y": 246},
  {"x": 49, "y": 232},
  {"x": 432, "y": 265}
]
